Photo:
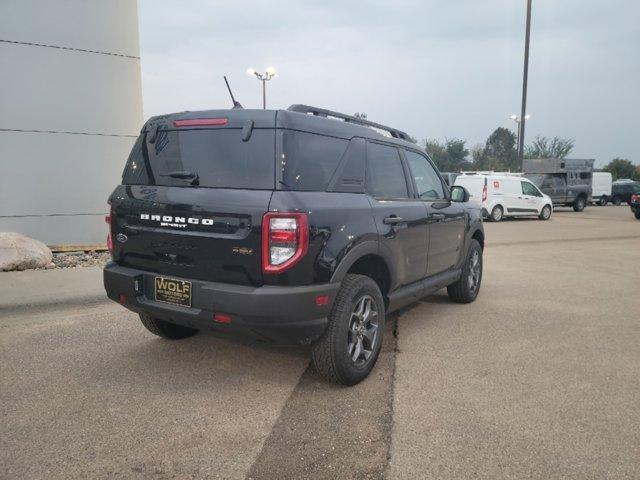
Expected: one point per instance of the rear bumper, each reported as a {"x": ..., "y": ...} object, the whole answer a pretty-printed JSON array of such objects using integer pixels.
[{"x": 276, "y": 314}]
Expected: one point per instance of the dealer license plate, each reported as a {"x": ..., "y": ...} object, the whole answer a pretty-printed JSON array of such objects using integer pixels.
[{"x": 175, "y": 292}]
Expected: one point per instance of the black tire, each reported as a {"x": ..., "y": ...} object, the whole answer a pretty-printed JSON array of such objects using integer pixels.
[
  {"x": 545, "y": 213},
  {"x": 603, "y": 201},
  {"x": 616, "y": 201},
  {"x": 579, "y": 204},
  {"x": 332, "y": 353},
  {"x": 462, "y": 290},
  {"x": 167, "y": 330},
  {"x": 496, "y": 214},
  {"x": 637, "y": 214}
]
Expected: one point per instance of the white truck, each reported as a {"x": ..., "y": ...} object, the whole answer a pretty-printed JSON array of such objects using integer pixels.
[{"x": 601, "y": 188}]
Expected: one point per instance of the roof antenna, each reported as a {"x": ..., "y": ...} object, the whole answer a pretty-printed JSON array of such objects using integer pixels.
[{"x": 236, "y": 104}]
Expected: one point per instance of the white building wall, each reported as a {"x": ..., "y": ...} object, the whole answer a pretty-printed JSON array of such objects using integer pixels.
[{"x": 70, "y": 110}]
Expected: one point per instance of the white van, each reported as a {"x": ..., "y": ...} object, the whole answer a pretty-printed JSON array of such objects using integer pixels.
[
  {"x": 601, "y": 187},
  {"x": 504, "y": 195}
]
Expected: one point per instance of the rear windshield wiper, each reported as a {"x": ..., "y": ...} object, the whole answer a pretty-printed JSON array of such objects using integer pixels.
[{"x": 183, "y": 175}]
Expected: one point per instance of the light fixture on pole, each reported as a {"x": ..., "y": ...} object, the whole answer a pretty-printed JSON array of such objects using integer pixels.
[{"x": 268, "y": 74}]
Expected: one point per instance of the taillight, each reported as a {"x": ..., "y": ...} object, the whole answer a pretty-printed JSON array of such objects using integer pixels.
[
  {"x": 484, "y": 193},
  {"x": 285, "y": 240},
  {"x": 107, "y": 219}
]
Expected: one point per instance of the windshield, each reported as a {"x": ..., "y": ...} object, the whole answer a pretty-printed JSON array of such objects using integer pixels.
[{"x": 203, "y": 157}]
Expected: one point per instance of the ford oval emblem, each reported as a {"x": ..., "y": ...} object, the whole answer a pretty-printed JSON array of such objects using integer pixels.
[{"x": 121, "y": 237}]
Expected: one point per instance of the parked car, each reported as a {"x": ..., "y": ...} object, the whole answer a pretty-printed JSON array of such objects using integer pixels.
[
  {"x": 601, "y": 188},
  {"x": 566, "y": 181},
  {"x": 298, "y": 226},
  {"x": 504, "y": 195},
  {"x": 622, "y": 190},
  {"x": 635, "y": 204}
]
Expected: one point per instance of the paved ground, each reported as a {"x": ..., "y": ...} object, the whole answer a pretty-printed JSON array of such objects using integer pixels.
[{"x": 536, "y": 379}]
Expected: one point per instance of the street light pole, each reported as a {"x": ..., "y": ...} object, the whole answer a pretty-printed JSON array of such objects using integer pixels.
[
  {"x": 264, "y": 78},
  {"x": 524, "y": 87},
  {"x": 516, "y": 119}
]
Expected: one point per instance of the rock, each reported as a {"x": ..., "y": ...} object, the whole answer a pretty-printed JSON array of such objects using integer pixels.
[{"x": 19, "y": 252}]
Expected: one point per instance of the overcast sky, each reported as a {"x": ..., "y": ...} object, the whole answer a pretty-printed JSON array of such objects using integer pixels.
[{"x": 433, "y": 68}]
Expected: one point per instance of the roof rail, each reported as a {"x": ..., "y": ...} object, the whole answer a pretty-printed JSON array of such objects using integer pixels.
[
  {"x": 490, "y": 172},
  {"x": 321, "y": 112}
]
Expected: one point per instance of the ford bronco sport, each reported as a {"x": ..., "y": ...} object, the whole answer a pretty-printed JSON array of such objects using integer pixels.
[{"x": 298, "y": 226}]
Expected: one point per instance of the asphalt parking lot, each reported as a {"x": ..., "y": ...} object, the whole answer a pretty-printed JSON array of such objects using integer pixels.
[{"x": 539, "y": 378}]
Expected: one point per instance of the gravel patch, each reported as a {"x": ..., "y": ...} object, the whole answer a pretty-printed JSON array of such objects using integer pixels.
[{"x": 79, "y": 259}]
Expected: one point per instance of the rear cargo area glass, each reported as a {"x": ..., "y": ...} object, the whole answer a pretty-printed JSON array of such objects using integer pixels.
[{"x": 218, "y": 157}]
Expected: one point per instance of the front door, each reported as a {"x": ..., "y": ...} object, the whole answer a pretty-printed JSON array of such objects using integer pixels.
[
  {"x": 531, "y": 198},
  {"x": 446, "y": 218},
  {"x": 401, "y": 219}
]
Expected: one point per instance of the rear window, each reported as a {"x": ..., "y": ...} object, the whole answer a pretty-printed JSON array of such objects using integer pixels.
[
  {"x": 307, "y": 161},
  {"x": 219, "y": 158}
]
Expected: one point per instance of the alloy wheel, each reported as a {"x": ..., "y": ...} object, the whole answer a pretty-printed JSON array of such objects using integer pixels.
[
  {"x": 363, "y": 330},
  {"x": 475, "y": 271}
]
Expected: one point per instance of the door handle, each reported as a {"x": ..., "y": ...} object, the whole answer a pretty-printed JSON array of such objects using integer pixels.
[
  {"x": 393, "y": 220},
  {"x": 438, "y": 216}
]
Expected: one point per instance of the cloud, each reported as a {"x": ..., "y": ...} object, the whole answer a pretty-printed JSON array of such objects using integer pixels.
[{"x": 432, "y": 68}]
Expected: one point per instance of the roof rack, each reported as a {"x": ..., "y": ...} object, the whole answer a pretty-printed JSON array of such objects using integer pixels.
[
  {"x": 321, "y": 112},
  {"x": 490, "y": 172}
]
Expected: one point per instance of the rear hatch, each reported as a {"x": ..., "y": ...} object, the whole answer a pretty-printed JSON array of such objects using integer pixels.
[{"x": 193, "y": 194}]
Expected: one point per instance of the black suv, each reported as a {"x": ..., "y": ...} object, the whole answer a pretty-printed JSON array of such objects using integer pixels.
[
  {"x": 635, "y": 203},
  {"x": 622, "y": 191},
  {"x": 298, "y": 226}
]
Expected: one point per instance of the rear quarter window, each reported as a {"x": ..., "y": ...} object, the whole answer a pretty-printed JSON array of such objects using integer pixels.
[{"x": 307, "y": 161}]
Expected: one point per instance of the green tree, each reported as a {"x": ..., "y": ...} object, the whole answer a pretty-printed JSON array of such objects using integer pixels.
[
  {"x": 449, "y": 155},
  {"x": 499, "y": 152},
  {"x": 544, "y": 147},
  {"x": 622, "y": 168}
]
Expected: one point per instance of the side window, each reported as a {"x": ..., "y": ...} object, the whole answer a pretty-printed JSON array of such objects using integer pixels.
[
  {"x": 427, "y": 181},
  {"x": 385, "y": 176},
  {"x": 585, "y": 175},
  {"x": 529, "y": 189},
  {"x": 559, "y": 182},
  {"x": 547, "y": 182}
]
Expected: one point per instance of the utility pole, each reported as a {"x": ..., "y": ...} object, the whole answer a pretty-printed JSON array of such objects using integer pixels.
[{"x": 523, "y": 110}]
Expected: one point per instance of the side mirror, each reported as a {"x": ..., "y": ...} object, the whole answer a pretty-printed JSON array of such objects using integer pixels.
[{"x": 459, "y": 194}]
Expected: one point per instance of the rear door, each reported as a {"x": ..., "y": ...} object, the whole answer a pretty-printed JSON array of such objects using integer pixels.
[
  {"x": 446, "y": 218},
  {"x": 560, "y": 193},
  {"x": 191, "y": 203},
  {"x": 512, "y": 194},
  {"x": 401, "y": 220}
]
